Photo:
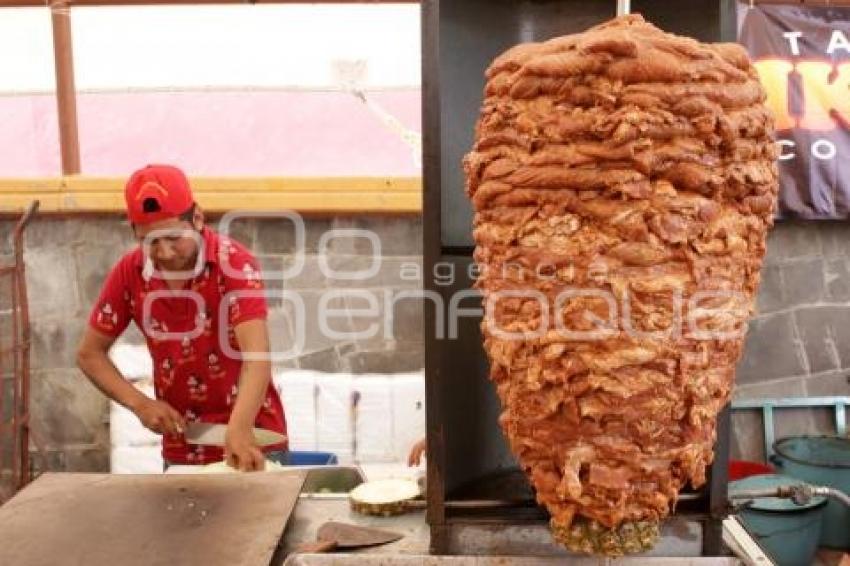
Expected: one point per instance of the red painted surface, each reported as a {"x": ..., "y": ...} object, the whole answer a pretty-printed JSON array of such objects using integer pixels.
[
  {"x": 29, "y": 137},
  {"x": 273, "y": 133},
  {"x": 740, "y": 469}
]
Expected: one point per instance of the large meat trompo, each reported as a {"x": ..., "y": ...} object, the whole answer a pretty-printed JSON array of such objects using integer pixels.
[{"x": 623, "y": 181}]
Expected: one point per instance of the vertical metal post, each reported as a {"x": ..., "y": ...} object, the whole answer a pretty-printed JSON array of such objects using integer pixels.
[
  {"x": 6, "y": 271},
  {"x": 14, "y": 426},
  {"x": 66, "y": 95},
  {"x": 624, "y": 7},
  {"x": 14, "y": 422},
  {"x": 712, "y": 541},
  {"x": 23, "y": 380},
  {"x": 767, "y": 423},
  {"x": 436, "y": 512}
]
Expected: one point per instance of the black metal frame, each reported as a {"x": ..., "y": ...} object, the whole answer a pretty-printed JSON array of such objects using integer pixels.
[{"x": 15, "y": 367}]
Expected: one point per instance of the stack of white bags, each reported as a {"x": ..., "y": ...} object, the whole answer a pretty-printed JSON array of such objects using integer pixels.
[{"x": 365, "y": 419}]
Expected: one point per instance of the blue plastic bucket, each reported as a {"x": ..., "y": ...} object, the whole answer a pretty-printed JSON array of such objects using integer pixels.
[
  {"x": 296, "y": 458},
  {"x": 820, "y": 460}
]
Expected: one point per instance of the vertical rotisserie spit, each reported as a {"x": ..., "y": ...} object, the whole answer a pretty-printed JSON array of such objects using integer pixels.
[{"x": 623, "y": 181}]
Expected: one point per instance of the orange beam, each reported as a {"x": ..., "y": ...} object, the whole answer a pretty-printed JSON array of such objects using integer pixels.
[
  {"x": 340, "y": 195},
  {"x": 66, "y": 93}
]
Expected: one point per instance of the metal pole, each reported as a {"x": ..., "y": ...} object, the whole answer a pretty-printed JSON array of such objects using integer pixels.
[
  {"x": 16, "y": 373},
  {"x": 24, "y": 351},
  {"x": 66, "y": 95},
  {"x": 624, "y": 7},
  {"x": 10, "y": 275}
]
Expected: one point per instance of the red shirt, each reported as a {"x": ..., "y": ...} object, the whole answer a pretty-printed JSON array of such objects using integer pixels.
[{"x": 192, "y": 370}]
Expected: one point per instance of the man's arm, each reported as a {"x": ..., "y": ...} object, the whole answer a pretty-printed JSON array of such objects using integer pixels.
[
  {"x": 93, "y": 360},
  {"x": 241, "y": 450}
]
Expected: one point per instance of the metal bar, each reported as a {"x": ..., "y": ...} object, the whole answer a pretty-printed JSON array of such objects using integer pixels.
[
  {"x": 742, "y": 544},
  {"x": 24, "y": 344},
  {"x": 15, "y": 371},
  {"x": 14, "y": 349},
  {"x": 463, "y": 251},
  {"x": 513, "y": 503},
  {"x": 436, "y": 511},
  {"x": 767, "y": 423},
  {"x": 8, "y": 424},
  {"x": 15, "y": 427},
  {"x": 767, "y": 406},
  {"x": 624, "y": 7},
  {"x": 835, "y": 494},
  {"x": 488, "y": 503},
  {"x": 712, "y": 537},
  {"x": 728, "y": 20},
  {"x": 3, "y": 351},
  {"x": 718, "y": 483},
  {"x": 27, "y": 217},
  {"x": 66, "y": 92},
  {"x": 790, "y": 402}
]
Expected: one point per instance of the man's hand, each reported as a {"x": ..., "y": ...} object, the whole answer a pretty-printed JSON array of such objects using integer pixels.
[
  {"x": 416, "y": 453},
  {"x": 160, "y": 417},
  {"x": 241, "y": 450}
]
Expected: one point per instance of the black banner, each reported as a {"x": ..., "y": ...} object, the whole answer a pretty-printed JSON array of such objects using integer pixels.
[{"x": 803, "y": 58}]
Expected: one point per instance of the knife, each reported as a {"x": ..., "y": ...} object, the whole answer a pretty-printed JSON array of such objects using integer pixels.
[{"x": 210, "y": 434}]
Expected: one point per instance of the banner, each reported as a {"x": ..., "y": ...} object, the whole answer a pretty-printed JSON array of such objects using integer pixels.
[{"x": 802, "y": 55}]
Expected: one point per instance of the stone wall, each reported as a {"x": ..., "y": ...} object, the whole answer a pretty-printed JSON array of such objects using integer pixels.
[
  {"x": 68, "y": 259},
  {"x": 798, "y": 344}
]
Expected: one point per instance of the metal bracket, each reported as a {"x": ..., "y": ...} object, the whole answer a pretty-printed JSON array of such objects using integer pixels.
[{"x": 839, "y": 404}]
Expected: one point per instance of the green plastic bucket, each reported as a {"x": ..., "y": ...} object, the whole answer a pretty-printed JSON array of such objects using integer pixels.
[
  {"x": 820, "y": 460},
  {"x": 787, "y": 532}
]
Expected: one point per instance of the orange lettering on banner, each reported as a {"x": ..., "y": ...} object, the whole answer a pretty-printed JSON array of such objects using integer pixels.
[
  {"x": 822, "y": 96},
  {"x": 774, "y": 77}
]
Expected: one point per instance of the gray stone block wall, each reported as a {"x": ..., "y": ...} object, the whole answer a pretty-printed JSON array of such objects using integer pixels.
[
  {"x": 67, "y": 260},
  {"x": 798, "y": 343}
]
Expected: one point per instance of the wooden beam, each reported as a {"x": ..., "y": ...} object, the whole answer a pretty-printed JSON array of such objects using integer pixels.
[
  {"x": 66, "y": 92},
  {"x": 341, "y": 195}
]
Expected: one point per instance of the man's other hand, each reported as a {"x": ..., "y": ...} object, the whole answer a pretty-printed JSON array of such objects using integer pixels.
[
  {"x": 241, "y": 451},
  {"x": 416, "y": 452}
]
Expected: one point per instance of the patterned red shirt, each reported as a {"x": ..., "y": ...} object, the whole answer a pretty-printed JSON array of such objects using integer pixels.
[{"x": 189, "y": 333}]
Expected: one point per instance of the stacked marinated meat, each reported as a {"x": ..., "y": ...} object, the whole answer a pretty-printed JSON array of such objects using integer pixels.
[{"x": 624, "y": 181}]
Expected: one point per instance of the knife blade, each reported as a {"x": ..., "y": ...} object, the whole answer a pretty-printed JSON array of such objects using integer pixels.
[{"x": 209, "y": 434}]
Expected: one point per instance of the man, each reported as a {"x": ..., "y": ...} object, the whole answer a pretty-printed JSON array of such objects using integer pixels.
[{"x": 197, "y": 297}]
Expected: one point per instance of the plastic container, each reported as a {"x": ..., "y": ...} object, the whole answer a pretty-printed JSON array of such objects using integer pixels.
[
  {"x": 303, "y": 458},
  {"x": 788, "y": 533},
  {"x": 820, "y": 460},
  {"x": 740, "y": 469}
]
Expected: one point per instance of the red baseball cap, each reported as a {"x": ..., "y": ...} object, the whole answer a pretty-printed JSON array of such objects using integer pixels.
[{"x": 157, "y": 192}]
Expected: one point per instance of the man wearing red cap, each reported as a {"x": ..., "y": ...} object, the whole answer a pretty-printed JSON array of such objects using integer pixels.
[{"x": 198, "y": 299}]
